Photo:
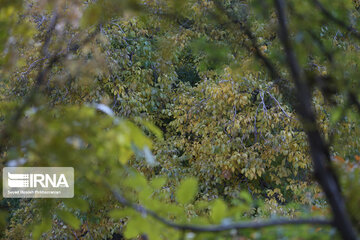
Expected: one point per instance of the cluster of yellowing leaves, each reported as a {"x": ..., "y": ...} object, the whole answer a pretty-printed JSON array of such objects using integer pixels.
[{"x": 229, "y": 135}]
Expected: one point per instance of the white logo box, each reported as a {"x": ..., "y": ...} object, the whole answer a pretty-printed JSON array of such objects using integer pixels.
[{"x": 38, "y": 182}]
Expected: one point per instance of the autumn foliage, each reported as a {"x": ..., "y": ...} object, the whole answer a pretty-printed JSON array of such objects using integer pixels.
[{"x": 180, "y": 110}]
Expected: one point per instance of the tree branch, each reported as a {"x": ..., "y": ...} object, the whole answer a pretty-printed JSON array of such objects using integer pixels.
[
  {"x": 275, "y": 75},
  {"x": 220, "y": 227},
  {"x": 279, "y": 105},
  {"x": 5, "y": 133},
  {"x": 319, "y": 151},
  {"x": 334, "y": 19}
]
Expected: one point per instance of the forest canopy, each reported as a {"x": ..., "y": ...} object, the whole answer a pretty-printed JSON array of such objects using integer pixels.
[{"x": 183, "y": 119}]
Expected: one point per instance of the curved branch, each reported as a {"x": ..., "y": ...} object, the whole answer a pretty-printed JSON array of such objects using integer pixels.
[{"x": 220, "y": 227}]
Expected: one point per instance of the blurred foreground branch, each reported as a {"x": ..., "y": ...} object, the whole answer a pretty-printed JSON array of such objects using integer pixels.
[
  {"x": 319, "y": 151},
  {"x": 220, "y": 227}
]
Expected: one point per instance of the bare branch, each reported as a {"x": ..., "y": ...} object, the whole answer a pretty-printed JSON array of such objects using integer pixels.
[
  {"x": 255, "y": 128},
  {"x": 48, "y": 35},
  {"x": 87, "y": 225},
  {"x": 319, "y": 151},
  {"x": 263, "y": 103},
  {"x": 32, "y": 66},
  {"x": 277, "y": 102}
]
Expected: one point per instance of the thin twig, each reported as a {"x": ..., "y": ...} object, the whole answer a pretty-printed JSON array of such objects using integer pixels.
[
  {"x": 255, "y": 128},
  {"x": 277, "y": 102},
  {"x": 263, "y": 103},
  {"x": 87, "y": 225}
]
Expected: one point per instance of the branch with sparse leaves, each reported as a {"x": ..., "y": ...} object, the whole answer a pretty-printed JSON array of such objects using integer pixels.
[
  {"x": 319, "y": 151},
  {"x": 221, "y": 227},
  {"x": 40, "y": 78},
  {"x": 336, "y": 20}
]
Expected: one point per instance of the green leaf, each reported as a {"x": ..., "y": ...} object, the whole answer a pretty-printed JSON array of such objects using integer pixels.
[
  {"x": 336, "y": 114},
  {"x": 122, "y": 213},
  {"x": 137, "y": 181},
  {"x": 69, "y": 219},
  {"x": 218, "y": 211},
  {"x": 137, "y": 136},
  {"x": 41, "y": 228},
  {"x": 158, "y": 182},
  {"x": 187, "y": 190},
  {"x": 154, "y": 129},
  {"x": 202, "y": 204},
  {"x": 77, "y": 203},
  {"x": 245, "y": 196},
  {"x": 3, "y": 217},
  {"x": 132, "y": 228}
]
